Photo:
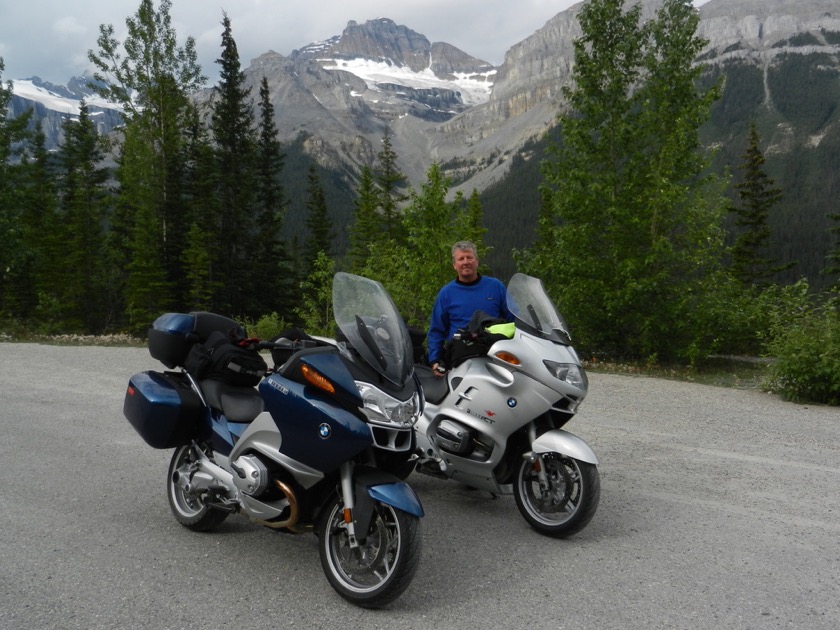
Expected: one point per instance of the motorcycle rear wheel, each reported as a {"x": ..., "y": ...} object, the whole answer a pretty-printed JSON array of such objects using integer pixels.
[
  {"x": 377, "y": 572},
  {"x": 189, "y": 508},
  {"x": 568, "y": 503}
]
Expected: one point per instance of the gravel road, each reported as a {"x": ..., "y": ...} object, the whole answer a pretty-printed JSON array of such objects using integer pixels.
[{"x": 719, "y": 509}]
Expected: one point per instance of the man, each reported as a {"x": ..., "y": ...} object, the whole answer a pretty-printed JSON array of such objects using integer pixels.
[{"x": 458, "y": 300}]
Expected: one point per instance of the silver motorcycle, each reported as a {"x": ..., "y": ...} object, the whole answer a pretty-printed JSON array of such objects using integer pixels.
[{"x": 494, "y": 421}]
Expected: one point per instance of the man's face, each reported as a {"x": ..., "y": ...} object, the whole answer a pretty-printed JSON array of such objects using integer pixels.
[{"x": 466, "y": 265}]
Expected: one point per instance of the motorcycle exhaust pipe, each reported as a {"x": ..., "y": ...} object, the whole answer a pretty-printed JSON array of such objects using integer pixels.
[
  {"x": 225, "y": 477},
  {"x": 293, "y": 510}
]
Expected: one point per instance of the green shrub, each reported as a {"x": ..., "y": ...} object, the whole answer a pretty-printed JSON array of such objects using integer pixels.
[
  {"x": 806, "y": 349},
  {"x": 738, "y": 320},
  {"x": 266, "y": 327}
]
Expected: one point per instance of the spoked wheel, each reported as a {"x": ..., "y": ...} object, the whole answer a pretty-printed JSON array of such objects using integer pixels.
[
  {"x": 377, "y": 572},
  {"x": 562, "y": 504},
  {"x": 187, "y": 504}
]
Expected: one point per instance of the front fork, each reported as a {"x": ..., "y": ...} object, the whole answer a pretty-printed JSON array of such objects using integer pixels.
[
  {"x": 536, "y": 459},
  {"x": 363, "y": 488},
  {"x": 346, "y": 472}
]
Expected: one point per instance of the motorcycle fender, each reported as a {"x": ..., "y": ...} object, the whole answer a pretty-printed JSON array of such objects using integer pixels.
[
  {"x": 565, "y": 443},
  {"x": 375, "y": 485},
  {"x": 399, "y": 495}
]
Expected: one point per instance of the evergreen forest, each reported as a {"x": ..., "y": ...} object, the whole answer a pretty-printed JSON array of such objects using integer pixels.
[{"x": 655, "y": 249}]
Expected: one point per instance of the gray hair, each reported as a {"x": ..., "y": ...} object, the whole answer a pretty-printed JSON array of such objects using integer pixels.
[{"x": 466, "y": 246}]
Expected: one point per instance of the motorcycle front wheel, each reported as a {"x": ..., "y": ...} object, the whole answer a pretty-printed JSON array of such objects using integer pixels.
[
  {"x": 567, "y": 501},
  {"x": 375, "y": 573},
  {"x": 188, "y": 507}
]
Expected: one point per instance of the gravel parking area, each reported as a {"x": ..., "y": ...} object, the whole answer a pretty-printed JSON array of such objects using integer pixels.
[{"x": 720, "y": 509}]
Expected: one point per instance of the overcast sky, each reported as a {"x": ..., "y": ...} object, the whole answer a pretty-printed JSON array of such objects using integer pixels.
[{"x": 50, "y": 38}]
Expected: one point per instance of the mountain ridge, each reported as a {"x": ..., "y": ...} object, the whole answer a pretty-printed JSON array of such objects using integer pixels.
[{"x": 440, "y": 104}]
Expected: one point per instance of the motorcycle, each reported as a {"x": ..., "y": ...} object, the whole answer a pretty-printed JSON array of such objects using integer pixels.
[
  {"x": 494, "y": 421},
  {"x": 308, "y": 449}
]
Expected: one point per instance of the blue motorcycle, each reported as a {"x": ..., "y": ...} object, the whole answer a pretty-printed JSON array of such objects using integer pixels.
[{"x": 317, "y": 445}]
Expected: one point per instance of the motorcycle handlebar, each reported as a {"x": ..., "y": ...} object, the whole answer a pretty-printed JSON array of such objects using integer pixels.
[{"x": 297, "y": 344}]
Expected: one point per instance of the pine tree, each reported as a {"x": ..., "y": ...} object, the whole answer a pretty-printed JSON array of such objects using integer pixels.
[
  {"x": 391, "y": 183},
  {"x": 84, "y": 200},
  {"x": 197, "y": 263},
  {"x": 232, "y": 126},
  {"x": 13, "y": 254},
  {"x": 147, "y": 288},
  {"x": 833, "y": 258},
  {"x": 470, "y": 222},
  {"x": 318, "y": 220},
  {"x": 35, "y": 293},
  {"x": 270, "y": 157},
  {"x": 270, "y": 265},
  {"x": 203, "y": 209},
  {"x": 757, "y": 193},
  {"x": 12, "y": 130},
  {"x": 366, "y": 229}
]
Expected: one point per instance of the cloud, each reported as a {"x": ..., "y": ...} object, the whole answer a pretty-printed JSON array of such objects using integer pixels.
[{"x": 68, "y": 27}]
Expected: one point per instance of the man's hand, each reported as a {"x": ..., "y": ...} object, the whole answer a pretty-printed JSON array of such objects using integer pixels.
[{"x": 438, "y": 370}]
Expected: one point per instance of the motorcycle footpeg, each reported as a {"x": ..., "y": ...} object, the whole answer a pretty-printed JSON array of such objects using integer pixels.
[
  {"x": 217, "y": 497},
  {"x": 431, "y": 467}
]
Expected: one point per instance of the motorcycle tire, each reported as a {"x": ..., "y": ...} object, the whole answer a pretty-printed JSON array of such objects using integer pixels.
[
  {"x": 377, "y": 572},
  {"x": 189, "y": 508},
  {"x": 568, "y": 503}
]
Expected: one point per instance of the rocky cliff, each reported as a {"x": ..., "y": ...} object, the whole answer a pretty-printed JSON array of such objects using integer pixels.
[{"x": 451, "y": 108}]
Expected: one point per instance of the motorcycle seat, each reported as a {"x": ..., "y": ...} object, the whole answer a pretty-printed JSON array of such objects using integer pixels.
[
  {"x": 435, "y": 388},
  {"x": 239, "y": 404}
]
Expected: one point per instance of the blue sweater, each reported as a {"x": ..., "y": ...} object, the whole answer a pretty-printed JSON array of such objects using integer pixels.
[{"x": 454, "y": 307}]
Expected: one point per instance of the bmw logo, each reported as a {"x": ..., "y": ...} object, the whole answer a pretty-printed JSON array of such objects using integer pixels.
[
  {"x": 324, "y": 430},
  {"x": 511, "y": 402}
]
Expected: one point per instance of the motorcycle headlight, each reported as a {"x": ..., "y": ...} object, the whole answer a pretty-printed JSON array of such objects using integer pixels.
[
  {"x": 570, "y": 373},
  {"x": 380, "y": 408}
]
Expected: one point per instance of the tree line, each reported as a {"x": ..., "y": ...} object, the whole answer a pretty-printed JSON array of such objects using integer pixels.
[
  {"x": 636, "y": 241},
  {"x": 190, "y": 215}
]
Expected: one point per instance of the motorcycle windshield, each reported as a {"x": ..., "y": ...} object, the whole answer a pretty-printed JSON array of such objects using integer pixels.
[
  {"x": 369, "y": 320},
  {"x": 534, "y": 310}
]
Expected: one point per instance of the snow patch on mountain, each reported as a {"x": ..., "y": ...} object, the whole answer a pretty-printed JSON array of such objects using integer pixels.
[
  {"x": 474, "y": 88},
  {"x": 53, "y": 101}
]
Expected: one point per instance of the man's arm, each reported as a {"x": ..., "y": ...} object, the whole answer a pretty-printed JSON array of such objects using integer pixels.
[{"x": 438, "y": 326}]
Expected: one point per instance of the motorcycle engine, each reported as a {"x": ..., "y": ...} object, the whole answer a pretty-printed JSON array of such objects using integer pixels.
[
  {"x": 458, "y": 439},
  {"x": 453, "y": 437},
  {"x": 251, "y": 475}
]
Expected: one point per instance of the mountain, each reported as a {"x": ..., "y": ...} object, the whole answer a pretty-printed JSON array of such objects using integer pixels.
[
  {"x": 436, "y": 101},
  {"x": 472, "y": 117},
  {"x": 53, "y": 104},
  {"x": 346, "y": 91}
]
